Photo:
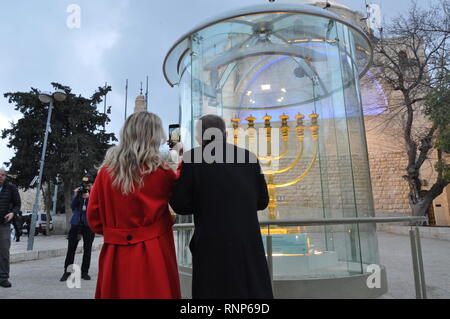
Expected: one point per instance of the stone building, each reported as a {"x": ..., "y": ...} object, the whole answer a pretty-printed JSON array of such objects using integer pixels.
[
  {"x": 140, "y": 104},
  {"x": 27, "y": 198}
]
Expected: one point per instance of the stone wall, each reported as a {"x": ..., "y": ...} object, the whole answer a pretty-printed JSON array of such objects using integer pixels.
[
  {"x": 390, "y": 190},
  {"x": 28, "y": 198}
]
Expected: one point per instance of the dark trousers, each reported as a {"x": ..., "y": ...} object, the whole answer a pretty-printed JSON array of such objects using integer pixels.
[
  {"x": 75, "y": 234},
  {"x": 5, "y": 244},
  {"x": 18, "y": 225}
]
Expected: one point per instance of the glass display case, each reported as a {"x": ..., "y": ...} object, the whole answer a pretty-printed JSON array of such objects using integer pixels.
[{"x": 285, "y": 78}]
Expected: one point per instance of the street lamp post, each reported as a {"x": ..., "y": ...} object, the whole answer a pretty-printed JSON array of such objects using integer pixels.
[{"x": 44, "y": 98}]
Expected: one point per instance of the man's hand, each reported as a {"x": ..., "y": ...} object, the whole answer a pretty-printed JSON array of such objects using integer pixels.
[
  {"x": 178, "y": 147},
  {"x": 172, "y": 214},
  {"x": 75, "y": 191},
  {"x": 176, "y": 153},
  {"x": 8, "y": 217}
]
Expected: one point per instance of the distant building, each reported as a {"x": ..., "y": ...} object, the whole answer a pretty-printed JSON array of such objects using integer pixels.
[
  {"x": 27, "y": 198},
  {"x": 140, "y": 104}
]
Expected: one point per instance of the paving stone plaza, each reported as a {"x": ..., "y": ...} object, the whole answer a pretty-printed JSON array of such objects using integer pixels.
[{"x": 39, "y": 279}]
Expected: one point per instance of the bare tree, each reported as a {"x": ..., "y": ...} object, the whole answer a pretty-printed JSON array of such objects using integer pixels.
[{"x": 410, "y": 58}]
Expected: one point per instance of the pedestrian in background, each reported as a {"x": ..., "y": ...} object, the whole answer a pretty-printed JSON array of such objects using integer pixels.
[
  {"x": 79, "y": 228},
  {"x": 9, "y": 206}
]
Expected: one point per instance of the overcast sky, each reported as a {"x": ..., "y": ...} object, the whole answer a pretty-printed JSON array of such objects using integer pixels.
[{"x": 117, "y": 39}]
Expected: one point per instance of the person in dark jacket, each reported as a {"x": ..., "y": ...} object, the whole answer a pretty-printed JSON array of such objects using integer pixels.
[
  {"x": 9, "y": 206},
  {"x": 79, "y": 229},
  {"x": 223, "y": 187}
]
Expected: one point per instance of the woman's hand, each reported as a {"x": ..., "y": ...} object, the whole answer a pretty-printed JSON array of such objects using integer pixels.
[{"x": 165, "y": 165}]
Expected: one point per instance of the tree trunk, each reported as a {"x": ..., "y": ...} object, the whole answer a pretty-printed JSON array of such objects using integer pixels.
[
  {"x": 67, "y": 201},
  {"x": 47, "y": 207},
  {"x": 46, "y": 196},
  {"x": 421, "y": 207}
]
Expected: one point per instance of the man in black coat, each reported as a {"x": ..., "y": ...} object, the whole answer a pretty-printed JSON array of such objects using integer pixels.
[
  {"x": 223, "y": 187},
  {"x": 9, "y": 206}
]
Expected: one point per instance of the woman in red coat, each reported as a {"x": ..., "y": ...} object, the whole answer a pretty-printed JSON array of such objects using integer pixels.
[{"x": 129, "y": 206}]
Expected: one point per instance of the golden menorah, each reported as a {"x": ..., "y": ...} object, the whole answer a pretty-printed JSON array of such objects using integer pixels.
[{"x": 269, "y": 158}]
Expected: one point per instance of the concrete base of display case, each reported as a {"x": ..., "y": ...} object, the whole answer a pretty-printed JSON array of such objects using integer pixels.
[
  {"x": 299, "y": 265},
  {"x": 346, "y": 287}
]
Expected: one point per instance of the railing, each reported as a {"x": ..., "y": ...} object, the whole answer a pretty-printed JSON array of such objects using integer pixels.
[{"x": 414, "y": 221}]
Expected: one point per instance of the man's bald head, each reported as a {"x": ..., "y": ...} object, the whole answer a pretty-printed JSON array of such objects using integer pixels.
[
  {"x": 2, "y": 175},
  {"x": 207, "y": 122}
]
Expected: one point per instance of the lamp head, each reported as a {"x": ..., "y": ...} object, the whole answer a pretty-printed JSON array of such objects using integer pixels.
[
  {"x": 59, "y": 95},
  {"x": 45, "y": 97}
]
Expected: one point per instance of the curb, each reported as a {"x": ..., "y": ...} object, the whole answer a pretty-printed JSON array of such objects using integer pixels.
[
  {"x": 439, "y": 233},
  {"x": 44, "y": 254}
]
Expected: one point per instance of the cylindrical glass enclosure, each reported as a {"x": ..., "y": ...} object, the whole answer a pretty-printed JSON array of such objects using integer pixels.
[{"x": 285, "y": 78}]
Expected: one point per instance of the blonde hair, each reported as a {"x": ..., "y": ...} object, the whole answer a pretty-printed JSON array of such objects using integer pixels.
[{"x": 137, "y": 153}]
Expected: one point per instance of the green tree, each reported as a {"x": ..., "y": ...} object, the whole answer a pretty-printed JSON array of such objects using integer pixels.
[
  {"x": 437, "y": 109},
  {"x": 76, "y": 144}
]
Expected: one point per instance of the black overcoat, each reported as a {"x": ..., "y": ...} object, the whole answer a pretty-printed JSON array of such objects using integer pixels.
[
  {"x": 9, "y": 200},
  {"x": 227, "y": 250}
]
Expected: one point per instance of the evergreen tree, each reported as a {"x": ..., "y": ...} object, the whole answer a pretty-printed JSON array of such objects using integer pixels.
[{"x": 77, "y": 141}]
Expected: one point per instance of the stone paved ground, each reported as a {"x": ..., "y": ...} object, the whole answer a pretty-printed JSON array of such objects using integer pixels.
[
  {"x": 42, "y": 242},
  {"x": 40, "y": 278},
  {"x": 395, "y": 254}
]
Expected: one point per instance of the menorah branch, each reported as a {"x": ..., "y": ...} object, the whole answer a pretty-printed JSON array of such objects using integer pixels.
[
  {"x": 300, "y": 128},
  {"x": 291, "y": 166},
  {"x": 304, "y": 174}
]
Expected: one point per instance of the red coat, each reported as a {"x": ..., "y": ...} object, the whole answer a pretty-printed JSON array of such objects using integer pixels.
[{"x": 138, "y": 258}]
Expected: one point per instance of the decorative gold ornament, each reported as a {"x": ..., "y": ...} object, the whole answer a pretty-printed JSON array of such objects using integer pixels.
[{"x": 236, "y": 120}]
